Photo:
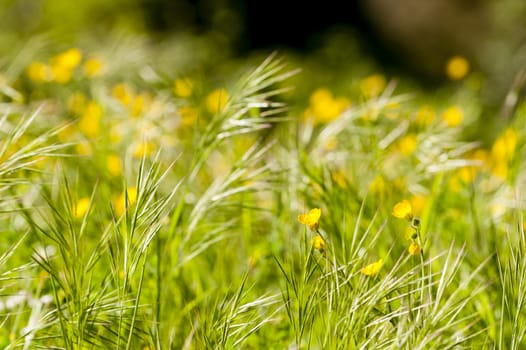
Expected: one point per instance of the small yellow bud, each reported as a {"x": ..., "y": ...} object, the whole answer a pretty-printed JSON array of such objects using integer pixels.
[
  {"x": 457, "y": 67},
  {"x": 414, "y": 249},
  {"x": 318, "y": 243},
  {"x": 372, "y": 269},
  {"x": 81, "y": 207}
]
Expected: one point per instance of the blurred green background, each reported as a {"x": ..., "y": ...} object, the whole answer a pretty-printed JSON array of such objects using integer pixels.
[{"x": 408, "y": 36}]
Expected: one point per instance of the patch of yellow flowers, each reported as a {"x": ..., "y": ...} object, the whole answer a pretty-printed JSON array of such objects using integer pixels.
[{"x": 61, "y": 67}]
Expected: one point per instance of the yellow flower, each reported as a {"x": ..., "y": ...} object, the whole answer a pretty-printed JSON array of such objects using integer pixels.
[
  {"x": 373, "y": 85},
  {"x": 457, "y": 67},
  {"x": 63, "y": 64},
  {"x": 425, "y": 115},
  {"x": 504, "y": 146},
  {"x": 407, "y": 144},
  {"x": 183, "y": 87},
  {"x": 114, "y": 164},
  {"x": 66, "y": 133},
  {"x": 339, "y": 178},
  {"x": 418, "y": 204},
  {"x": 93, "y": 67},
  {"x": 467, "y": 174},
  {"x": 61, "y": 74},
  {"x": 453, "y": 116},
  {"x": 39, "y": 72},
  {"x": 318, "y": 243},
  {"x": 140, "y": 103},
  {"x": 216, "y": 100},
  {"x": 454, "y": 184},
  {"x": 84, "y": 149},
  {"x": 311, "y": 219},
  {"x": 67, "y": 59},
  {"x": 502, "y": 152},
  {"x": 414, "y": 249},
  {"x": 123, "y": 93},
  {"x": 90, "y": 119},
  {"x": 120, "y": 202},
  {"x": 132, "y": 194},
  {"x": 372, "y": 269},
  {"x": 324, "y": 107},
  {"x": 403, "y": 210},
  {"x": 144, "y": 148},
  {"x": 500, "y": 170},
  {"x": 77, "y": 103},
  {"x": 81, "y": 207}
]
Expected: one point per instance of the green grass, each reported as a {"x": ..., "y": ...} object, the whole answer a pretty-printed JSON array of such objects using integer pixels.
[{"x": 137, "y": 217}]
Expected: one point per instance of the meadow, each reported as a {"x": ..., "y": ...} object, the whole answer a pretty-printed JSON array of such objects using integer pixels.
[{"x": 158, "y": 200}]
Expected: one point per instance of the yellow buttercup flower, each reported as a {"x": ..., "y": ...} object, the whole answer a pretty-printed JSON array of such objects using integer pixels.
[
  {"x": 39, "y": 72},
  {"x": 83, "y": 148},
  {"x": 132, "y": 194},
  {"x": 144, "y": 148},
  {"x": 467, "y": 174},
  {"x": 457, "y": 67},
  {"x": 407, "y": 144},
  {"x": 414, "y": 249},
  {"x": 425, "y": 115},
  {"x": 61, "y": 74},
  {"x": 318, "y": 243},
  {"x": 216, "y": 101},
  {"x": 324, "y": 107},
  {"x": 90, "y": 120},
  {"x": 120, "y": 204},
  {"x": 418, "y": 204},
  {"x": 77, "y": 103},
  {"x": 140, "y": 104},
  {"x": 403, "y": 210},
  {"x": 504, "y": 146},
  {"x": 339, "y": 178},
  {"x": 123, "y": 93},
  {"x": 81, "y": 207},
  {"x": 183, "y": 87},
  {"x": 453, "y": 116},
  {"x": 502, "y": 152},
  {"x": 114, "y": 164},
  {"x": 66, "y": 133},
  {"x": 63, "y": 64},
  {"x": 372, "y": 269},
  {"x": 93, "y": 67},
  {"x": 67, "y": 59},
  {"x": 311, "y": 219},
  {"x": 373, "y": 85},
  {"x": 500, "y": 169}
]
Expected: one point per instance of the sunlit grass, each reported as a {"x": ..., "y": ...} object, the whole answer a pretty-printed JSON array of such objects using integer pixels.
[{"x": 165, "y": 210}]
